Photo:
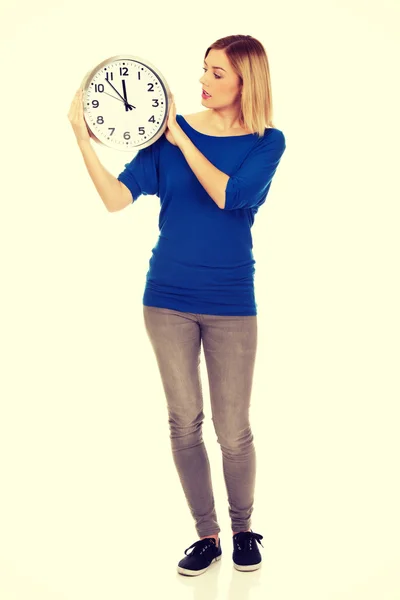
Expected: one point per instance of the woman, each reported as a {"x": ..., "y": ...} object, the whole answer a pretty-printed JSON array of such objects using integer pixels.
[{"x": 212, "y": 171}]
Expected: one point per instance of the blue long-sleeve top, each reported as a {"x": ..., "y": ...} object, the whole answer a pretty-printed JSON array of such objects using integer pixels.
[{"x": 203, "y": 260}]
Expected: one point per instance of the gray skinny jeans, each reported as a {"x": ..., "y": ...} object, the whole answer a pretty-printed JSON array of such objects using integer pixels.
[{"x": 229, "y": 344}]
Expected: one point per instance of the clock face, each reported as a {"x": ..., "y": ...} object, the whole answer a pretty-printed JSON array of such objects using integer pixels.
[{"x": 126, "y": 103}]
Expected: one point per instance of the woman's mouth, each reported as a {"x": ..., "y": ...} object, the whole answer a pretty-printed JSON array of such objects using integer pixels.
[{"x": 205, "y": 95}]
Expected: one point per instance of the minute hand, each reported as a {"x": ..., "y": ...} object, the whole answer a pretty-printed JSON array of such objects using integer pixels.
[{"x": 130, "y": 106}]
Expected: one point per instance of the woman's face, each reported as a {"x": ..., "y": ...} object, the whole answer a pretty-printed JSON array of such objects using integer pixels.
[{"x": 221, "y": 83}]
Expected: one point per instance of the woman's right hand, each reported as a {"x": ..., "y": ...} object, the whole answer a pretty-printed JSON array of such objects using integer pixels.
[{"x": 75, "y": 116}]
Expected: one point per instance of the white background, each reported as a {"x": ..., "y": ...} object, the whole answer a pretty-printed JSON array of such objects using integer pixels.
[{"x": 90, "y": 505}]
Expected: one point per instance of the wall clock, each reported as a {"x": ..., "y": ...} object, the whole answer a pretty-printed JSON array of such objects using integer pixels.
[{"x": 126, "y": 101}]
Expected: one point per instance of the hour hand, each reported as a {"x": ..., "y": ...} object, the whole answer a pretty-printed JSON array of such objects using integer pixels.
[{"x": 127, "y": 106}]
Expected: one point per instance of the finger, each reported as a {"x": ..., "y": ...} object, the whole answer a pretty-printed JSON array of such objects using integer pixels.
[
  {"x": 73, "y": 100},
  {"x": 77, "y": 105},
  {"x": 73, "y": 110}
]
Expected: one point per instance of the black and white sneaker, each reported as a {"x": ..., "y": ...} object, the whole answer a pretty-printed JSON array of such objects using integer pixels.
[
  {"x": 246, "y": 555},
  {"x": 204, "y": 553}
]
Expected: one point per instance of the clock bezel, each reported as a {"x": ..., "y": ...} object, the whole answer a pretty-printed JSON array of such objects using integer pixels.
[{"x": 146, "y": 63}]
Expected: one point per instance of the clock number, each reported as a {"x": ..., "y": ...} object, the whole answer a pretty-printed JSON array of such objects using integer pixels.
[
  {"x": 156, "y": 102},
  {"x": 98, "y": 120},
  {"x": 95, "y": 103},
  {"x": 98, "y": 87},
  {"x": 112, "y": 129},
  {"x": 151, "y": 88},
  {"x": 152, "y": 119},
  {"x": 109, "y": 76},
  {"x": 141, "y": 130},
  {"x": 127, "y": 134},
  {"x": 123, "y": 69}
]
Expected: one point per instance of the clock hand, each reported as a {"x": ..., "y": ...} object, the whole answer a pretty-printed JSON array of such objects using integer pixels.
[
  {"x": 124, "y": 90},
  {"x": 111, "y": 96},
  {"x": 119, "y": 94}
]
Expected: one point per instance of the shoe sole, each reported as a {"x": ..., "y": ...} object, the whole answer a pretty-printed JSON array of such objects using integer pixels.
[
  {"x": 191, "y": 573},
  {"x": 247, "y": 567}
]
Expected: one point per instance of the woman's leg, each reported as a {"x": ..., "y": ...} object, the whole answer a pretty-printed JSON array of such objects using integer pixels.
[
  {"x": 176, "y": 340},
  {"x": 230, "y": 346}
]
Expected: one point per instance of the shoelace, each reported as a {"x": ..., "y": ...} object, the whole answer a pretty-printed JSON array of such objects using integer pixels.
[
  {"x": 200, "y": 546},
  {"x": 244, "y": 539}
]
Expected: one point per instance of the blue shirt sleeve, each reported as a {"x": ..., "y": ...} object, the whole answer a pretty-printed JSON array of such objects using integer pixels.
[
  {"x": 141, "y": 175},
  {"x": 249, "y": 186}
]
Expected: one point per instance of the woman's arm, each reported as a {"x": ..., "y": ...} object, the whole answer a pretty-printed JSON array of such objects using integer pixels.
[{"x": 114, "y": 193}]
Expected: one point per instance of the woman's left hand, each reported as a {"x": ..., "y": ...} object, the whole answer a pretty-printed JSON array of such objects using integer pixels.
[{"x": 173, "y": 128}]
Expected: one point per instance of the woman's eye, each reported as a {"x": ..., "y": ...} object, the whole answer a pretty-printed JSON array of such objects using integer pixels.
[{"x": 215, "y": 75}]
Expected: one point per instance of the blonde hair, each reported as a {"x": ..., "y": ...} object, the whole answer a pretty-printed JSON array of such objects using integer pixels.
[{"x": 249, "y": 61}]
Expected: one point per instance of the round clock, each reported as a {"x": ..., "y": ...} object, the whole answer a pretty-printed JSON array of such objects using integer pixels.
[{"x": 126, "y": 102}]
